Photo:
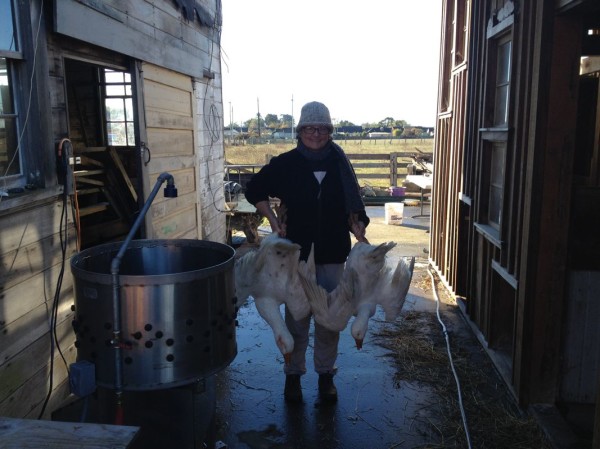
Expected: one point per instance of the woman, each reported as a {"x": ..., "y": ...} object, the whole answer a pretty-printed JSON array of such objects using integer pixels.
[{"x": 318, "y": 188}]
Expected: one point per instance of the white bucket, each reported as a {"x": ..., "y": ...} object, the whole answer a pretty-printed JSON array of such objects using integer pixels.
[{"x": 394, "y": 213}]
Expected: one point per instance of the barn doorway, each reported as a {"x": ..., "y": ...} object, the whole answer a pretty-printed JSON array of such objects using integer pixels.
[{"x": 102, "y": 125}]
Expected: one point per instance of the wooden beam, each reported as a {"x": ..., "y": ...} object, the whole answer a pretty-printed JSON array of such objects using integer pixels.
[
  {"x": 63, "y": 435},
  {"x": 117, "y": 160}
]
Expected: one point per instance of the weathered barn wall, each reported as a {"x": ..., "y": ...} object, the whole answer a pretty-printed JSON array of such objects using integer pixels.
[
  {"x": 514, "y": 203},
  {"x": 180, "y": 116},
  {"x": 32, "y": 283},
  {"x": 152, "y": 31}
]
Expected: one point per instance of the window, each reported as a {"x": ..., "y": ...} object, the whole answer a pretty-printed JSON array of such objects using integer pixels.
[
  {"x": 8, "y": 40},
  {"x": 10, "y": 163},
  {"x": 502, "y": 83},
  {"x": 118, "y": 104},
  {"x": 9, "y": 156},
  {"x": 495, "y": 135}
]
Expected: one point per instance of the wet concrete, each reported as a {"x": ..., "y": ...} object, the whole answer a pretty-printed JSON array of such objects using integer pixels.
[{"x": 373, "y": 410}]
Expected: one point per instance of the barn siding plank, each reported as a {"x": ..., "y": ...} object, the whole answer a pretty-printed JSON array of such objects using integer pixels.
[
  {"x": 167, "y": 77},
  {"x": 16, "y": 372},
  {"x": 176, "y": 225},
  {"x": 21, "y": 333},
  {"x": 33, "y": 393},
  {"x": 23, "y": 263},
  {"x": 167, "y": 99},
  {"x": 168, "y": 141},
  {"x": 165, "y": 208},
  {"x": 18, "y": 300},
  {"x": 174, "y": 122},
  {"x": 29, "y": 226}
]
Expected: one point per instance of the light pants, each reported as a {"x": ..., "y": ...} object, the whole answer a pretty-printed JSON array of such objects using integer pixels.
[{"x": 326, "y": 341}]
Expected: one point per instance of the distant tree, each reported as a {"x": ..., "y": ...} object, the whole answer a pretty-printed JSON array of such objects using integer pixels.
[
  {"x": 345, "y": 123},
  {"x": 285, "y": 120},
  {"x": 252, "y": 125},
  {"x": 272, "y": 121},
  {"x": 410, "y": 131},
  {"x": 367, "y": 126},
  {"x": 387, "y": 122}
]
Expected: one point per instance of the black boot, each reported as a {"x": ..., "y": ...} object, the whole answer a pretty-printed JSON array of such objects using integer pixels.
[
  {"x": 327, "y": 390},
  {"x": 293, "y": 390}
]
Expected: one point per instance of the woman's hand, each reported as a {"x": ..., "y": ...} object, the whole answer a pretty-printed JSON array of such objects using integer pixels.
[
  {"x": 358, "y": 228},
  {"x": 264, "y": 208}
]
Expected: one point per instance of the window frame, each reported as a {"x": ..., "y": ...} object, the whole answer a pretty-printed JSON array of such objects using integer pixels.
[
  {"x": 126, "y": 98},
  {"x": 35, "y": 163},
  {"x": 13, "y": 156},
  {"x": 495, "y": 134}
]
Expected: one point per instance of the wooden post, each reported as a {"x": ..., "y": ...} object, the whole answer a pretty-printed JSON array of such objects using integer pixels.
[{"x": 394, "y": 169}]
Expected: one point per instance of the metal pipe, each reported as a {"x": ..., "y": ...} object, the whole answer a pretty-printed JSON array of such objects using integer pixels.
[{"x": 170, "y": 192}]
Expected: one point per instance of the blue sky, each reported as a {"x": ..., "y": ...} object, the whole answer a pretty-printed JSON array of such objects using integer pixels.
[{"x": 365, "y": 60}]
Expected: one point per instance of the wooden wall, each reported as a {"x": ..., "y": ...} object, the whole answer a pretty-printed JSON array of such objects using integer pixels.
[
  {"x": 529, "y": 286},
  {"x": 31, "y": 287},
  {"x": 184, "y": 133},
  {"x": 152, "y": 31},
  {"x": 170, "y": 139}
]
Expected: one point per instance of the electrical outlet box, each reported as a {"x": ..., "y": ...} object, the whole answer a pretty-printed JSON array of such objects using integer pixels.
[{"x": 82, "y": 378}]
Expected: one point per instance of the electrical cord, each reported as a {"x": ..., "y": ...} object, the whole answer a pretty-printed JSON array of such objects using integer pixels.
[
  {"x": 54, "y": 341},
  {"x": 446, "y": 336}
]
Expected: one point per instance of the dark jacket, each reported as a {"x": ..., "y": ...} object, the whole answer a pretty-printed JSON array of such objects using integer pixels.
[{"x": 315, "y": 214}]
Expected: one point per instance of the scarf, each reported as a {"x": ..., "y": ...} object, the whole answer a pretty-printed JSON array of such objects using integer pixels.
[{"x": 352, "y": 198}]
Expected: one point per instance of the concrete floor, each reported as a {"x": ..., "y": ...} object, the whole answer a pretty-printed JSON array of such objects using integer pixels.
[{"x": 372, "y": 410}]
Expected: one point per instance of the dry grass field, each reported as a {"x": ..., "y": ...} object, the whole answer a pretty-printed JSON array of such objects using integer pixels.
[{"x": 257, "y": 154}]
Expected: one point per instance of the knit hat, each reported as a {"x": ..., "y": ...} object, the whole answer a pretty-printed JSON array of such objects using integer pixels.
[{"x": 314, "y": 114}]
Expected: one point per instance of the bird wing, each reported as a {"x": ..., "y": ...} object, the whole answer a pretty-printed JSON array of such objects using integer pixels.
[
  {"x": 367, "y": 261},
  {"x": 331, "y": 310},
  {"x": 393, "y": 296},
  {"x": 245, "y": 277}
]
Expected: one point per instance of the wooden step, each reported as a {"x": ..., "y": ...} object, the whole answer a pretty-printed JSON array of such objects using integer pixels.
[{"x": 88, "y": 210}]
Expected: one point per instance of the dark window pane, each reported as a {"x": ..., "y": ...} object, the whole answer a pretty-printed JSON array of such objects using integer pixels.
[
  {"x": 495, "y": 213},
  {"x": 496, "y": 193},
  {"x": 10, "y": 163},
  {"x": 6, "y": 101},
  {"x": 502, "y": 84},
  {"x": 7, "y": 29}
]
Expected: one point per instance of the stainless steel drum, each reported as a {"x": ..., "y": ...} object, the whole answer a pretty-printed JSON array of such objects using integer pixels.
[{"x": 177, "y": 307}]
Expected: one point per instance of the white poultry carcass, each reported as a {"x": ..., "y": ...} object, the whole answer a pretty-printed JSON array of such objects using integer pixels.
[
  {"x": 390, "y": 293},
  {"x": 270, "y": 276},
  {"x": 366, "y": 264}
]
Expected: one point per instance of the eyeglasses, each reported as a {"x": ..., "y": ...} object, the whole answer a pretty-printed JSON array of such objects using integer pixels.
[{"x": 321, "y": 130}]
